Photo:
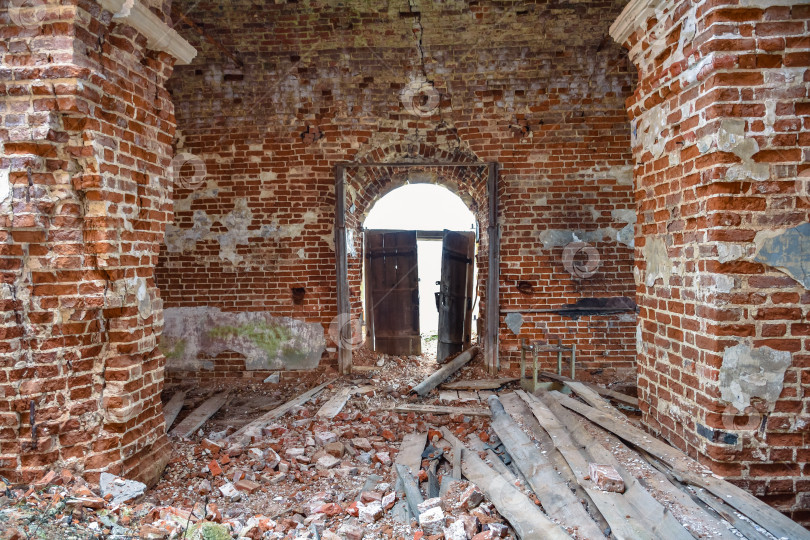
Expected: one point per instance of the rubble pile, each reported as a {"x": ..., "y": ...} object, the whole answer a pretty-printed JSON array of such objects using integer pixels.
[{"x": 304, "y": 477}]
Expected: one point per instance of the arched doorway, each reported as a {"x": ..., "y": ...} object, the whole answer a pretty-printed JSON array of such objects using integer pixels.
[
  {"x": 420, "y": 245},
  {"x": 479, "y": 179}
]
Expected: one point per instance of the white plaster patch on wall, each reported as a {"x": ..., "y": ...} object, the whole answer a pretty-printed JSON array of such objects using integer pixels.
[
  {"x": 265, "y": 340},
  {"x": 727, "y": 251},
  {"x": 748, "y": 373},
  {"x": 622, "y": 173},
  {"x": 658, "y": 263},
  {"x": 649, "y": 129}
]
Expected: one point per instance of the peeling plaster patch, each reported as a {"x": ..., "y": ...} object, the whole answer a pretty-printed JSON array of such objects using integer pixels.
[
  {"x": 659, "y": 266},
  {"x": 729, "y": 252},
  {"x": 514, "y": 321},
  {"x": 351, "y": 248},
  {"x": 266, "y": 341},
  {"x": 5, "y": 185},
  {"x": 237, "y": 222},
  {"x": 624, "y": 216},
  {"x": 623, "y": 174},
  {"x": 788, "y": 251},
  {"x": 551, "y": 238},
  {"x": 650, "y": 126},
  {"x": 748, "y": 373},
  {"x": 690, "y": 74},
  {"x": 627, "y": 235},
  {"x": 179, "y": 240}
]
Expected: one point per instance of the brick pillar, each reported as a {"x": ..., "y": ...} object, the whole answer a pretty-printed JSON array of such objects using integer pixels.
[
  {"x": 721, "y": 143},
  {"x": 87, "y": 127}
]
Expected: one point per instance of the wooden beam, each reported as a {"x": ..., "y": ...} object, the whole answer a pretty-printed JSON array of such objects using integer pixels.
[
  {"x": 682, "y": 465},
  {"x": 254, "y": 428},
  {"x": 516, "y": 407},
  {"x": 481, "y": 384},
  {"x": 173, "y": 408},
  {"x": 342, "y": 271},
  {"x": 410, "y": 451},
  {"x": 412, "y": 493},
  {"x": 200, "y": 415},
  {"x": 527, "y": 520},
  {"x": 440, "y": 409},
  {"x": 332, "y": 408},
  {"x": 445, "y": 371},
  {"x": 555, "y": 496},
  {"x": 493, "y": 273},
  {"x": 606, "y": 392}
]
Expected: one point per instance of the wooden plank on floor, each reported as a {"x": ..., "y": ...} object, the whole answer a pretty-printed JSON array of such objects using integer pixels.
[
  {"x": 606, "y": 392},
  {"x": 173, "y": 408},
  {"x": 254, "y": 428},
  {"x": 410, "y": 451},
  {"x": 481, "y": 384},
  {"x": 448, "y": 395},
  {"x": 525, "y": 517},
  {"x": 332, "y": 408},
  {"x": 200, "y": 415},
  {"x": 437, "y": 377},
  {"x": 516, "y": 407},
  {"x": 617, "y": 511},
  {"x": 440, "y": 409},
  {"x": 465, "y": 395},
  {"x": 557, "y": 499},
  {"x": 682, "y": 465}
]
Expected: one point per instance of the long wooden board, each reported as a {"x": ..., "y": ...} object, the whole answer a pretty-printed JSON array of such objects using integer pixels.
[
  {"x": 767, "y": 517},
  {"x": 332, "y": 408},
  {"x": 173, "y": 408},
  {"x": 200, "y": 415},
  {"x": 481, "y": 384},
  {"x": 606, "y": 392},
  {"x": 440, "y": 409},
  {"x": 619, "y": 513},
  {"x": 254, "y": 428},
  {"x": 445, "y": 371},
  {"x": 516, "y": 407},
  {"x": 557, "y": 500},
  {"x": 410, "y": 451},
  {"x": 527, "y": 520}
]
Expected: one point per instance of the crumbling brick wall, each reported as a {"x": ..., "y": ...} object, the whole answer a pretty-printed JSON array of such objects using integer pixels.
[
  {"x": 86, "y": 133},
  {"x": 720, "y": 123},
  {"x": 290, "y": 90}
]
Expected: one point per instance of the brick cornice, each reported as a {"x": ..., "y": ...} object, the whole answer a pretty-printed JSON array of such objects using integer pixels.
[
  {"x": 159, "y": 35},
  {"x": 632, "y": 16}
]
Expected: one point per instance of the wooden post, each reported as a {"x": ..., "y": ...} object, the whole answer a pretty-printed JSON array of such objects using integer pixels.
[
  {"x": 493, "y": 273},
  {"x": 344, "y": 341}
]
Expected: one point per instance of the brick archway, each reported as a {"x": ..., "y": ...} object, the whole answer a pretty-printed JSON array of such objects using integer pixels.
[{"x": 376, "y": 178}]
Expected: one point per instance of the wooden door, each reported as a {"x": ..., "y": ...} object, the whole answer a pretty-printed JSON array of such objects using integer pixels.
[
  {"x": 392, "y": 284},
  {"x": 455, "y": 293}
]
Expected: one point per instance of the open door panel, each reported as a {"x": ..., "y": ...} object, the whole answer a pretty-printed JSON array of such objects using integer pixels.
[
  {"x": 392, "y": 284},
  {"x": 455, "y": 293}
]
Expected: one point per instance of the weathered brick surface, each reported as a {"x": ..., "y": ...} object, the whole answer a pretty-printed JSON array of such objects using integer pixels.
[
  {"x": 86, "y": 128},
  {"x": 536, "y": 87},
  {"x": 721, "y": 145}
]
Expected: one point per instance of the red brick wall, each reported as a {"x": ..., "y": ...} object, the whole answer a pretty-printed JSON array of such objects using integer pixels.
[
  {"x": 86, "y": 129},
  {"x": 721, "y": 119},
  {"x": 539, "y": 90}
]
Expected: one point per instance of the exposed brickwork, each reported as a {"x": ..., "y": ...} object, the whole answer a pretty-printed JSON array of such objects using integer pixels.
[
  {"x": 539, "y": 90},
  {"x": 86, "y": 128},
  {"x": 721, "y": 118}
]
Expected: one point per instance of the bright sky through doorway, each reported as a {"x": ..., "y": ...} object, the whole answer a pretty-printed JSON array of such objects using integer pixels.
[{"x": 427, "y": 207}]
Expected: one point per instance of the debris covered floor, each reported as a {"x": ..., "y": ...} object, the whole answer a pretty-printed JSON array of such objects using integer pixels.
[{"x": 330, "y": 468}]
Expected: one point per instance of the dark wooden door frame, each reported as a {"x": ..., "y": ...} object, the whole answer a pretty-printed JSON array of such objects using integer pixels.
[{"x": 345, "y": 341}]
